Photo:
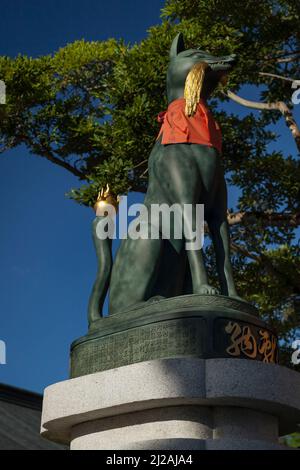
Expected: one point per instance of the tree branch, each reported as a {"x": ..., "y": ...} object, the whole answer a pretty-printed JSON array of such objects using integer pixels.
[
  {"x": 276, "y": 106},
  {"x": 265, "y": 261},
  {"x": 280, "y": 77},
  {"x": 286, "y": 57},
  {"x": 241, "y": 249},
  {"x": 270, "y": 218},
  {"x": 44, "y": 152},
  {"x": 49, "y": 156}
]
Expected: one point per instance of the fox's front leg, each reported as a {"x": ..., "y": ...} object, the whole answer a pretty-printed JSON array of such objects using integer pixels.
[
  {"x": 218, "y": 228},
  {"x": 199, "y": 275},
  {"x": 196, "y": 260}
]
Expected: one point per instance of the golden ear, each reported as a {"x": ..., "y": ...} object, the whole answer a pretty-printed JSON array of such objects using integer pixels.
[{"x": 193, "y": 86}]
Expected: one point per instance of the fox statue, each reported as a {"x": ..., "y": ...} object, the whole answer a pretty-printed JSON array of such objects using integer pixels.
[{"x": 185, "y": 167}]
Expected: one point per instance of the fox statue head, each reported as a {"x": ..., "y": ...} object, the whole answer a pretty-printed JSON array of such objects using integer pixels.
[{"x": 194, "y": 74}]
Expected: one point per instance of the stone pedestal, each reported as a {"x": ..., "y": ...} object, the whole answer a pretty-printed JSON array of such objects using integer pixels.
[
  {"x": 175, "y": 404},
  {"x": 200, "y": 326}
]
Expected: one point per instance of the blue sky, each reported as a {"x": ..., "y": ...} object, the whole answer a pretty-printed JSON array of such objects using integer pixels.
[{"x": 47, "y": 259}]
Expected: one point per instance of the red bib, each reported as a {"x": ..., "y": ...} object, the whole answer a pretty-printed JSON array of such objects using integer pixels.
[{"x": 178, "y": 128}]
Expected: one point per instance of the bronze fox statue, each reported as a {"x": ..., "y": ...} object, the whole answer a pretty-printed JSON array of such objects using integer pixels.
[{"x": 185, "y": 167}]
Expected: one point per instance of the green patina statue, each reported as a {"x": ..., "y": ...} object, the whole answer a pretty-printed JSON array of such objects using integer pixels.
[
  {"x": 161, "y": 303},
  {"x": 185, "y": 167}
]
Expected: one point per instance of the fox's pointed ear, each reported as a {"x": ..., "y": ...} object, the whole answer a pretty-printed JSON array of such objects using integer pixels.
[{"x": 177, "y": 46}]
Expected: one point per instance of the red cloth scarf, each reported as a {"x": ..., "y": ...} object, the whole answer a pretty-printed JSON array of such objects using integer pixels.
[{"x": 198, "y": 129}]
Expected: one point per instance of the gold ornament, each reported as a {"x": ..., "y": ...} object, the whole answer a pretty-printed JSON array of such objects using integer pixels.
[{"x": 104, "y": 200}]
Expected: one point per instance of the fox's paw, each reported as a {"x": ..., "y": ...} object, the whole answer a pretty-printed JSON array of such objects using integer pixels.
[{"x": 206, "y": 289}]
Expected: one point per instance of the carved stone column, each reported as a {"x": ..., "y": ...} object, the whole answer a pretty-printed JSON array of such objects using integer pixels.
[{"x": 179, "y": 403}]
